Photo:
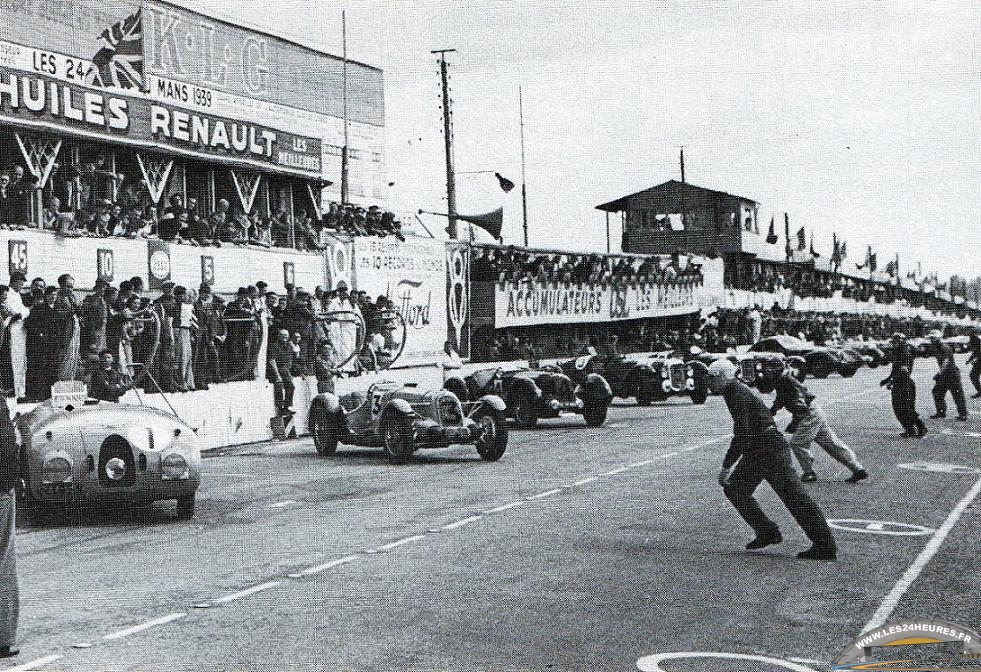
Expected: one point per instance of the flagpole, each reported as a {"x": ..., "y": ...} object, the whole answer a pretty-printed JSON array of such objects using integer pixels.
[
  {"x": 524, "y": 192},
  {"x": 344, "y": 153}
]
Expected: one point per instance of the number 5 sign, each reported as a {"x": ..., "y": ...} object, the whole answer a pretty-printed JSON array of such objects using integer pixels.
[
  {"x": 17, "y": 256},
  {"x": 105, "y": 267}
]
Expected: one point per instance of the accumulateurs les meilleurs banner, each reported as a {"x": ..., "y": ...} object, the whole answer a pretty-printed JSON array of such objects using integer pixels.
[
  {"x": 530, "y": 303},
  {"x": 412, "y": 274}
]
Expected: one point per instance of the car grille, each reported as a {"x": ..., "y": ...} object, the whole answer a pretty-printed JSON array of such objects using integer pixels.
[
  {"x": 116, "y": 446},
  {"x": 678, "y": 376},
  {"x": 450, "y": 411},
  {"x": 565, "y": 390},
  {"x": 747, "y": 368}
]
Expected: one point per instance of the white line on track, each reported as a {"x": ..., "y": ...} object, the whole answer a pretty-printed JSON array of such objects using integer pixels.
[
  {"x": 163, "y": 620},
  {"x": 614, "y": 472},
  {"x": 461, "y": 523},
  {"x": 584, "y": 481},
  {"x": 891, "y": 600},
  {"x": 316, "y": 569},
  {"x": 34, "y": 664},
  {"x": 283, "y": 504},
  {"x": 504, "y": 507},
  {"x": 543, "y": 495},
  {"x": 245, "y": 593},
  {"x": 401, "y": 542}
]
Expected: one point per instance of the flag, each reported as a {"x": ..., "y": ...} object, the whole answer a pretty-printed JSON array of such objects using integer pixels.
[
  {"x": 813, "y": 252},
  {"x": 801, "y": 239},
  {"x": 873, "y": 261},
  {"x": 890, "y": 269},
  {"x": 119, "y": 61},
  {"x": 844, "y": 249},
  {"x": 835, "y": 251},
  {"x": 771, "y": 237},
  {"x": 786, "y": 235}
]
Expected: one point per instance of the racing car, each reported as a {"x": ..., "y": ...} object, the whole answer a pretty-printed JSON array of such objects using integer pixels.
[
  {"x": 873, "y": 355},
  {"x": 651, "y": 377},
  {"x": 820, "y": 362},
  {"x": 401, "y": 419},
  {"x": 756, "y": 369},
  {"x": 531, "y": 394},
  {"x": 83, "y": 450}
]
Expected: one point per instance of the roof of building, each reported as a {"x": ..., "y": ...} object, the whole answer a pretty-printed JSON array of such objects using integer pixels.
[{"x": 620, "y": 203}]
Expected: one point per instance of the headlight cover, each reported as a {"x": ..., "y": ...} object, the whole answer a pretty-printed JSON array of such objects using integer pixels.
[
  {"x": 116, "y": 469},
  {"x": 56, "y": 470},
  {"x": 174, "y": 467}
]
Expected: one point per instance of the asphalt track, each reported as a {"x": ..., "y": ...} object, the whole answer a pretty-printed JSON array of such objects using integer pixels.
[{"x": 582, "y": 549}]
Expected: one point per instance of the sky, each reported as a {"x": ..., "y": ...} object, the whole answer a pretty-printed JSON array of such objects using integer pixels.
[{"x": 854, "y": 117}]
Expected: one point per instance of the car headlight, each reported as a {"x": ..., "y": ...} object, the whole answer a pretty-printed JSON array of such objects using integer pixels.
[
  {"x": 555, "y": 404},
  {"x": 115, "y": 469},
  {"x": 759, "y": 366},
  {"x": 691, "y": 372},
  {"x": 174, "y": 467},
  {"x": 664, "y": 373},
  {"x": 56, "y": 470}
]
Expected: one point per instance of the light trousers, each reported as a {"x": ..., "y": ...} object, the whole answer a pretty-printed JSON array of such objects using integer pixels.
[{"x": 815, "y": 428}]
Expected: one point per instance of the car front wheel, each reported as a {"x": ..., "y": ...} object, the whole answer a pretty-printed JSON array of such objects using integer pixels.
[
  {"x": 185, "y": 507},
  {"x": 525, "y": 413},
  {"x": 699, "y": 394},
  {"x": 595, "y": 413},
  {"x": 399, "y": 439},
  {"x": 325, "y": 435},
  {"x": 492, "y": 437}
]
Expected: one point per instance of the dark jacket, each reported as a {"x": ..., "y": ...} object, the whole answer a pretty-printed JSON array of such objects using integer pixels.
[
  {"x": 9, "y": 451},
  {"x": 107, "y": 385},
  {"x": 792, "y": 395},
  {"x": 753, "y": 426}
]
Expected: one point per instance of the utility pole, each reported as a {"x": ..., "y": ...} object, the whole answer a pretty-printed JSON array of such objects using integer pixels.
[
  {"x": 684, "y": 191},
  {"x": 448, "y": 139},
  {"x": 344, "y": 156},
  {"x": 524, "y": 192}
]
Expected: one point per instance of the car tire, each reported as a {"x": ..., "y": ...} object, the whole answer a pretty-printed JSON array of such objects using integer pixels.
[
  {"x": 523, "y": 410},
  {"x": 595, "y": 414},
  {"x": 399, "y": 437},
  {"x": 494, "y": 422},
  {"x": 699, "y": 395},
  {"x": 848, "y": 371},
  {"x": 644, "y": 396},
  {"x": 325, "y": 435},
  {"x": 822, "y": 369},
  {"x": 185, "y": 507}
]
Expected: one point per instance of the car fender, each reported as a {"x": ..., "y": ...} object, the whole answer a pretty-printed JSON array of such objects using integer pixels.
[
  {"x": 400, "y": 406},
  {"x": 595, "y": 386},
  {"x": 489, "y": 401},
  {"x": 524, "y": 385},
  {"x": 323, "y": 405},
  {"x": 698, "y": 368}
]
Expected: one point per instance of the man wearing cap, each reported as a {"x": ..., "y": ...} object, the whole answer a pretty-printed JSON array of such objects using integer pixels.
[
  {"x": 947, "y": 379},
  {"x": 759, "y": 452},
  {"x": 239, "y": 320},
  {"x": 45, "y": 340},
  {"x": 206, "y": 339},
  {"x": 902, "y": 388},
  {"x": 809, "y": 424},
  {"x": 278, "y": 372},
  {"x": 14, "y": 304}
]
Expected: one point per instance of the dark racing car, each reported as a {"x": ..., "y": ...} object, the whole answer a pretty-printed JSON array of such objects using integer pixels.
[
  {"x": 648, "y": 378},
  {"x": 531, "y": 394},
  {"x": 753, "y": 367},
  {"x": 401, "y": 419},
  {"x": 820, "y": 362}
]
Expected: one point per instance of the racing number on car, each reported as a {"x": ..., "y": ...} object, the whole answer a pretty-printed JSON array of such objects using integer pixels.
[
  {"x": 376, "y": 404},
  {"x": 17, "y": 255}
]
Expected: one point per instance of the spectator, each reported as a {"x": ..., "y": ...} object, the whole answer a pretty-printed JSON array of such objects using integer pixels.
[
  {"x": 108, "y": 384},
  {"x": 278, "y": 368},
  {"x": 207, "y": 338}
]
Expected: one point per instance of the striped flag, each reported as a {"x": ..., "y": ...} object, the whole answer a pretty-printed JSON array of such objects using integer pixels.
[{"x": 119, "y": 61}]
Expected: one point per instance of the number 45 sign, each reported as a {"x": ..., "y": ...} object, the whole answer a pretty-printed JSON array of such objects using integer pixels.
[{"x": 17, "y": 256}]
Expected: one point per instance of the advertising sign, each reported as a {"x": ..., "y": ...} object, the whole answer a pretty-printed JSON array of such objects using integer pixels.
[
  {"x": 530, "y": 303},
  {"x": 412, "y": 274},
  {"x": 158, "y": 262},
  {"x": 34, "y": 99}
]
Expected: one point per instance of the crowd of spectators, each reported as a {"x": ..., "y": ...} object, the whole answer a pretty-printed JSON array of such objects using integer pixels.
[
  {"x": 510, "y": 264},
  {"x": 180, "y": 220},
  {"x": 190, "y": 338}
]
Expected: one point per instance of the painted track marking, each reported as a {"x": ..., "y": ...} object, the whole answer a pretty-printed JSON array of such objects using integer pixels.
[
  {"x": 547, "y": 493},
  {"x": 34, "y": 664},
  {"x": 614, "y": 472},
  {"x": 400, "y": 542},
  {"x": 248, "y": 591},
  {"x": 653, "y": 663},
  {"x": 163, "y": 620},
  {"x": 891, "y": 600},
  {"x": 461, "y": 523},
  {"x": 283, "y": 504},
  {"x": 316, "y": 569},
  {"x": 504, "y": 507},
  {"x": 584, "y": 481}
]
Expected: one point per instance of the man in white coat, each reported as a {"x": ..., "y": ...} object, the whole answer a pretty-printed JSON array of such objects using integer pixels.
[
  {"x": 18, "y": 337},
  {"x": 343, "y": 331}
]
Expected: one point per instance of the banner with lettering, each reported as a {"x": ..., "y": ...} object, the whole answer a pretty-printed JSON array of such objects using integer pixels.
[
  {"x": 412, "y": 274},
  {"x": 531, "y": 303}
]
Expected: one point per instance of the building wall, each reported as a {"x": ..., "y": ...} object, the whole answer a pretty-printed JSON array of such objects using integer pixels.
[{"x": 713, "y": 222}]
